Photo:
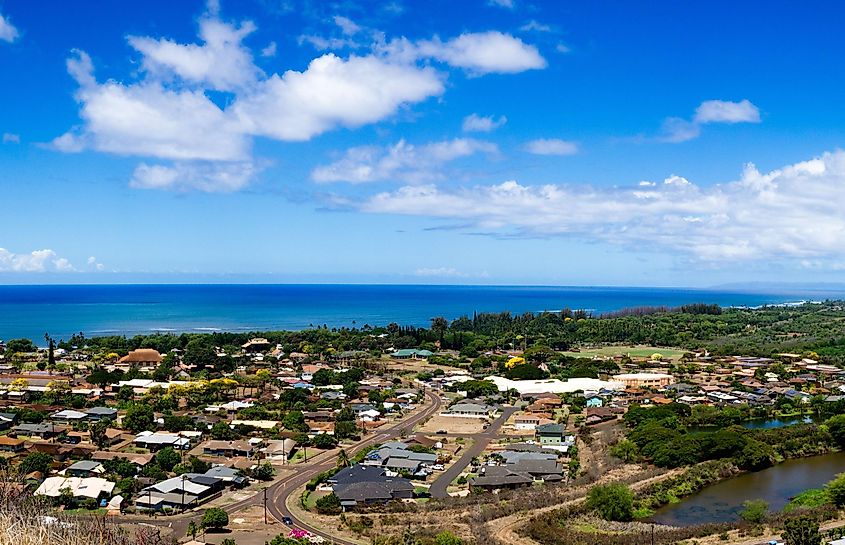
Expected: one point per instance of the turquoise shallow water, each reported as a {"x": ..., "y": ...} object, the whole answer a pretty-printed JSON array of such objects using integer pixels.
[{"x": 30, "y": 311}]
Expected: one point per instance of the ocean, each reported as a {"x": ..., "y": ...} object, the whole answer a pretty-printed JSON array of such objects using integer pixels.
[{"x": 96, "y": 310}]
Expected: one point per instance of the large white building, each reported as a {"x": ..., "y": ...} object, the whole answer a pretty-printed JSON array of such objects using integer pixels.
[{"x": 554, "y": 386}]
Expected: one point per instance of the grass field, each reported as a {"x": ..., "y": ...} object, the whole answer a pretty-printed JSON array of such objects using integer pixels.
[{"x": 633, "y": 351}]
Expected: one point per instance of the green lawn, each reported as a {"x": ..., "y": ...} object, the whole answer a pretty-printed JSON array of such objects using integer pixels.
[{"x": 633, "y": 351}]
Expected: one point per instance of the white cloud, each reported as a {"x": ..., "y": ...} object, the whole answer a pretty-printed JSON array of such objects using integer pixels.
[
  {"x": 676, "y": 129},
  {"x": 38, "y": 261},
  {"x": 211, "y": 177},
  {"x": 794, "y": 212},
  {"x": 347, "y": 25},
  {"x": 270, "y": 50},
  {"x": 334, "y": 92},
  {"x": 11, "y": 138},
  {"x": 8, "y": 33},
  {"x": 508, "y": 4},
  {"x": 168, "y": 112},
  {"x": 95, "y": 265},
  {"x": 399, "y": 162},
  {"x": 551, "y": 146},
  {"x": 440, "y": 272},
  {"x": 535, "y": 26},
  {"x": 477, "y": 123},
  {"x": 562, "y": 48},
  {"x": 720, "y": 111},
  {"x": 484, "y": 53},
  {"x": 221, "y": 63}
]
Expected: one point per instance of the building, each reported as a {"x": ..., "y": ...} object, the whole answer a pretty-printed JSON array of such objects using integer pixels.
[
  {"x": 8, "y": 444},
  {"x": 142, "y": 357},
  {"x": 42, "y": 431},
  {"x": 155, "y": 441},
  {"x": 644, "y": 380},
  {"x": 101, "y": 413},
  {"x": 229, "y": 449},
  {"x": 411, "y": 353},
  {"x": 470, "y": 410},
  {"x": 85, "y": 468},
  {"x": 90, "y": 487},
  {"x": 549, "y": 434}
]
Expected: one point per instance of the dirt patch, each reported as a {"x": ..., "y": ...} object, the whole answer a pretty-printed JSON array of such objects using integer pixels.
[{"x": 453, "y": 424}]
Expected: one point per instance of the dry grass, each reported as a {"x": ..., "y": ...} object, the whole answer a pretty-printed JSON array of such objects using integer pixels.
[{"x": 25, "y": 520}]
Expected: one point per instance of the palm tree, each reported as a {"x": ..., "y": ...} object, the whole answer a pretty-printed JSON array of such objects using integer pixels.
[
  {"x": 342, "y": 459},
  {"x": 439, "y": 326}
]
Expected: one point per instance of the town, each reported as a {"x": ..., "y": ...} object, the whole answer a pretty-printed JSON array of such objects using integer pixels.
[{"x": 232, "y": 438}]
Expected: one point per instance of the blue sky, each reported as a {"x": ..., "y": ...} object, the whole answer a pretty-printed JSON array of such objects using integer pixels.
[{"x": 519, "y": 142}]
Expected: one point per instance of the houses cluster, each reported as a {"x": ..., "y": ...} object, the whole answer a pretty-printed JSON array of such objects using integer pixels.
[{"x": 521, "y": 465}]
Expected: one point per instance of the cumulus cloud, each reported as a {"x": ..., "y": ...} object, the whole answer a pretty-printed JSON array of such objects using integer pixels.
[
  {"x": 478, "y": 123},
  {"x": 508, "y": 4},
  {"x": 676, "y": 129},
  {"x": 168, "y": 113},
  {"x": 720, "y": 111},
  {"x": 484, "y": 53},
  {"x": 551, "y": 146},
  {"x": 37, "y": 261},
  {"x": 535, "y": 26},
  {"x": 11, "y": 138},
  {"x": 794, "y": 212},
  {"x": 95, "y": 265},
  {"x": 400, "y": 162},
  {"x": 8, "y": 33}
]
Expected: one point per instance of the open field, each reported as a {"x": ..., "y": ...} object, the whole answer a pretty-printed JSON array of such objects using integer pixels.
[
  {"x": 632, "y": 351},
  {"x": 453, "y": 424}
]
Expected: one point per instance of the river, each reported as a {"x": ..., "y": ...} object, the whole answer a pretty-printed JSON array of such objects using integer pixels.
[{"x": 722, "y": 502}]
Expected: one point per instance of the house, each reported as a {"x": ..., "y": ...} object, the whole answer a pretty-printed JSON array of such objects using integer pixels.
[
  {"x": 140, "y": 460},
  {"x": 644, "y": 380},
  {"x": 498, "y": 478},
  {"x": 142, "y": 357},
  {"x": 281, "y": 449},
  {"x": 85, "y": 468},
  {"x": 258, "y": 344},
  {"x": 360, "y": 485},
  {"x": 594, "y": 401},
  {"x": 470, "y": 410},
  {"x": 155, "y": 441},
  {"x": 90, "y": 487},
  {"x": 68, "y": 416},
  {"x": 42, "y": 431},
  {"x": 101, "y": 413},
  {"x": 551, "y": 434},
  {"x": 229, "y": 449},
  {"x": 227, "y": 475},
  {"x": 7, "y": 420},
  {"x": 526, "y": 422},
  {"x": 411, "y": 353},
  {"x": 181, "y": 492},
  {"x": 599, "y": 414},
  {"x": 8, "y": 444}
]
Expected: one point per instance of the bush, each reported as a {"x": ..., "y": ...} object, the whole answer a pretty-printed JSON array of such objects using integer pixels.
[
  {"x": 328, "y": 505},
  {"x": 754, "y": 511},
  {"x": 324, "y": 441},
  {"x": 612, "y": 501}
]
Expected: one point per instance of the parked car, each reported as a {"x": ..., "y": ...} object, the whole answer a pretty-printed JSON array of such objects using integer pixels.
[
  {"x": 442, "y": 432},
  {"x": 287, "y": 521}
]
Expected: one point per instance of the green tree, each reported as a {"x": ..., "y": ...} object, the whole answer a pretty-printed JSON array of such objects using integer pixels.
[
  {"x": 98, "y": 432},
  {"x": 324, "y": 441},
  {"x": 36, "y": 461},
  {"x": 439, "y": 325},
  {"x": 754, "y": 511},
  {"x": 626, "y": 451},
  {"x": 138, "y": 418},
  {"x": 613, "y": 501},
  {"x": 836, "y": 490},
  {"x": 836, "y": 427},
  {"x": 215, "y": 518},
  {"x": 228, "y": 541},
  {"x": 264, "y": 472},
  {"x": 222, "y": 431},
  {"x": 167, "y": 458},
  {"x": 192, "y": 530},
  {"x": 342, "y": 459},
  {"x": 15, "y": 346},
  {"x": 328, "y": 504},
  {"x": 803, "y": 530}
]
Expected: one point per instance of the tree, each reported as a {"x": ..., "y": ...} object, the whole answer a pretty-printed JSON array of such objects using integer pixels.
[
  {"x": 215, "y": 518},
  {"x": 98, "y": 432},
  {"x": 264, "y": 472},
  {"x": 439, "y": 325},
  {"x": 15, "y": 346},
  {"x": 324, "y": 441},
  {"x": 228, "y": 541},
  {"x": 167, "y": 458},
  {"x": 625, "y": 450},
  {"x": 836, "y": 490},
  {"x": 138, "y": 418},
  {"x": 836, "y": 427},
  {"x": 613, "y": 501},
  {"x": 342, "y": 459},
  {"x": 37, "y": 461},
  {"x": 192, "y": 530},
  {"x": 222, "y": 431},
  {"x": 328, "y": 505},
  {"x": 803, "y": 530},
  {"x": 754, "y": 511}
]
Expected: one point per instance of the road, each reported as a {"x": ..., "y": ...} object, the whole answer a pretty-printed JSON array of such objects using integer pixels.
[
  {"x": 277, "y": 494},
  {"x": 438, "y": 487}
]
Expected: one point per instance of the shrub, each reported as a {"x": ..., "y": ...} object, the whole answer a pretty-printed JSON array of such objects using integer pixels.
[{"x": 613, "y": 501}]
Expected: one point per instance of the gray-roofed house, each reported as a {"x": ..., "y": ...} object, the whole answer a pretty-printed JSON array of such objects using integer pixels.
[
  {"x": 101, "y": 413},
  {"x": 472, "y": 410},
  {"x": 85, "y": 468}
]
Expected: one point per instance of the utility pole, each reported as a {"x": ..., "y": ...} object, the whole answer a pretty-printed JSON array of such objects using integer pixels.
[{"x": 265, "y": 506}]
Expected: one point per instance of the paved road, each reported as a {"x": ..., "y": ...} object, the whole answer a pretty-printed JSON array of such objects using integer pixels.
[
  {"x": 438, "y": 487},
  {"x": 278, "y": 493}
]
